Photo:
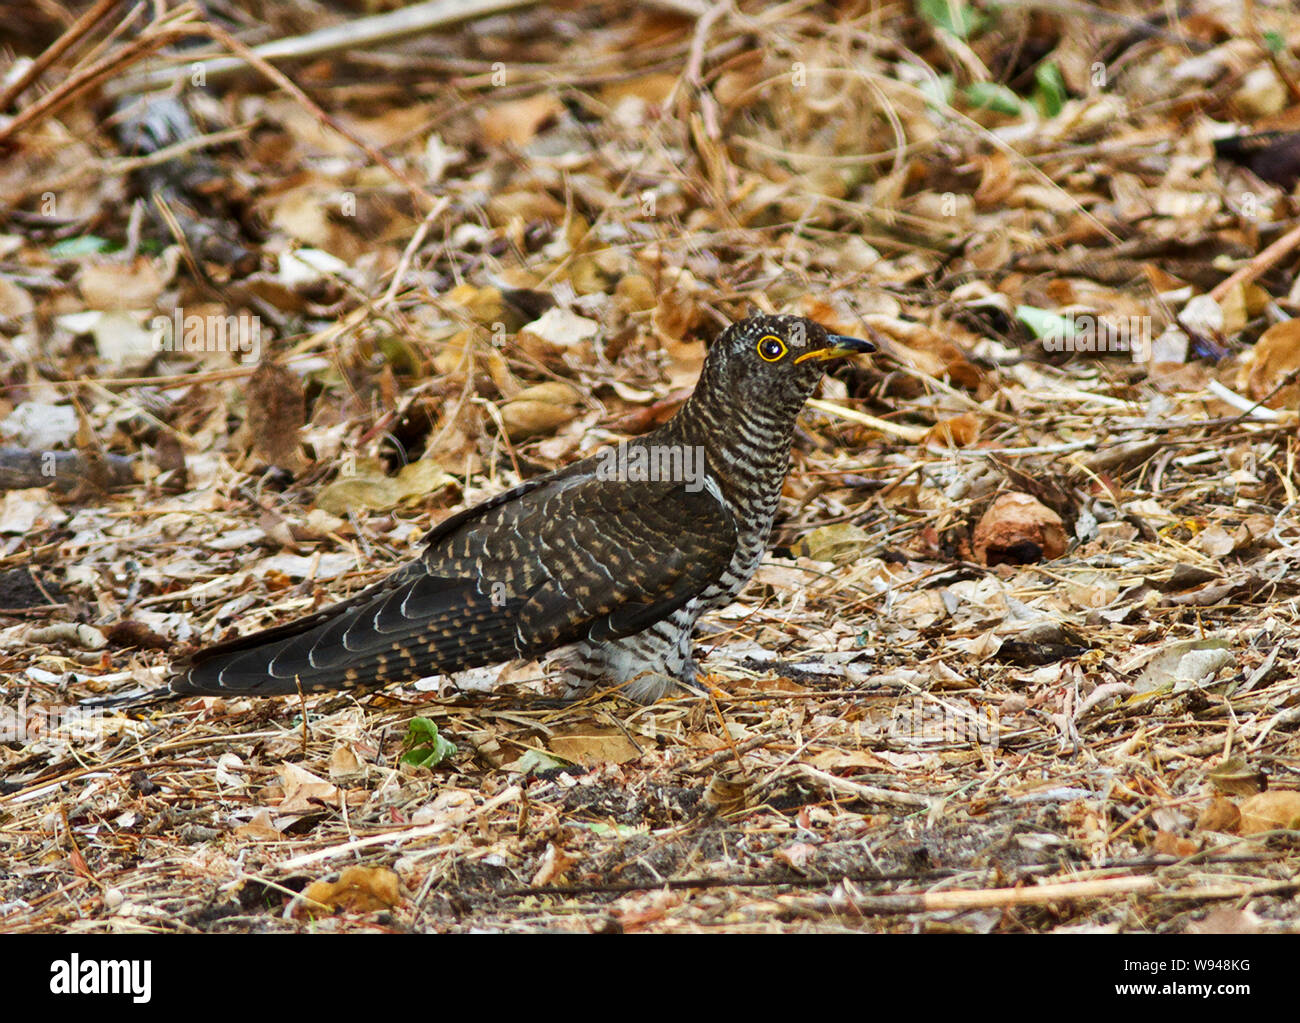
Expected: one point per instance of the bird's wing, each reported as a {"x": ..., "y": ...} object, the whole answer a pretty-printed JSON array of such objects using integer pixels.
[{"x": 562, "y": 558}]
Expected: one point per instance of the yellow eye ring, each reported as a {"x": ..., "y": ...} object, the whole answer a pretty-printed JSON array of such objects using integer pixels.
[{"x": 771, "y": 348}]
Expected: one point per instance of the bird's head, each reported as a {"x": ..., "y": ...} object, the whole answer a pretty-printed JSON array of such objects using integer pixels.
[{"x": 774, "y": 361}]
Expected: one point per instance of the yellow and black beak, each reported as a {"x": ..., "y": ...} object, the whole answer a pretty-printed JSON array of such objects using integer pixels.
[{"x": 837, "y": 348}]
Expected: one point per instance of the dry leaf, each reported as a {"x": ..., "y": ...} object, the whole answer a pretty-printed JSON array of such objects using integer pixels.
[
  {"x": 1185, "y": 663},
  {"x": 842, "y": 543},
  {"x": 303, "y": 791},
  {"x": 121, "y": 286},
  {"x": 1221, "y": 815},
  {"x": 797, "y": 855},
  {"x": 367, "y": 486},
  {"x": 517, "y": 121},
  {"x": 725, "y": 795},
  {"x": 276, "y": 414},
  {"x": 1226, "y": 920},
  {"x": 1019, "y": 530},
  {"x": 260, "y": 828},
  {"x": 1276, "y": 355},
  {"x": 344, "y": 763},
  {"x": 539, "y": 410},
  {"x": 358, "y": 890},
  {"x": 593, "y": 745},
  {"x": 1269, "y": 811},
  {"x": 957, "y": 432},
  {"x": 555, "y": 864},
  {"x": 1166, "y": 843}
]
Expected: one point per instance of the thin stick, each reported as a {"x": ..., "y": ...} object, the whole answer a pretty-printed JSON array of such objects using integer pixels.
[
  {"x": 1258, "y": 264},
  {"x": 176, "y": 26},
  {"x": 357, "y": 34},
  {"x": 868, "y": 792},
  {"x": 277, "y": 76},
  {"x": 57, "y": 49},
  {"x": 400, "y": 837}
]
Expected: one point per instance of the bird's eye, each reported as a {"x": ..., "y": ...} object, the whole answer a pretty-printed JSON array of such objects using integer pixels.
[{"x": 770, "y": 348}]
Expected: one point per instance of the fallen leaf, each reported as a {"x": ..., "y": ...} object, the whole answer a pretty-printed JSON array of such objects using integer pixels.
[
  {"x": 1184, "y": 664},
  {"x": 593, "y": 745},
  {"x": 358, "y": 890},
  {"x": 260, "y": 828},
  {"x": 344, "y": 763},
  {"x": 29, "y": 511},
  {"x": 1019, "y": 530},
  {"x": 276, "y": 414},
  {"x": 1270, "y": 811},
  {"x": 797, "y": 855},
  {"x": 956, "y": 432},
  {"x": 136, "y": 285},
  {"x": 1221, "y": 815},
  {"x": 518, "y": 121},
  {"x": 555, "y": 864},
  {"x": 842, "y": 542},
  {"x": 725, "y": 795},
  {"x": 539, "y": 410},
  {"x": 304, "y": 791},
  {"x": 1166, "y": 843},
  {"x": 1275, "y": 355},
  {"x": 1226, "y": 920}
]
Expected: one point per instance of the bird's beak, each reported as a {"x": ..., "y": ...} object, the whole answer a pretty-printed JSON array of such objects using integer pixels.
[{"x": 839, "y": 347}]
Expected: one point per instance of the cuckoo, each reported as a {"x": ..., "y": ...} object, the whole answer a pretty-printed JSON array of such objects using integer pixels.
[{"x": 610, "y": 560}]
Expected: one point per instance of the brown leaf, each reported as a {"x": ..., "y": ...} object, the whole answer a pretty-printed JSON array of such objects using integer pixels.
[
  {"x": 1018, "y": 530},
  {"x": 1236, "y": 777},
  {"x": 120, "y": 286},
  {"x": 1275, "y": 355},
  {"x": 726, "y": 795},
  {"x": 518, "y": 121},
  {"x": 260, "y": 828},
  {"x": 275, "y": 415},
  {"x": 593, "y": 745},
  {"x": 841, "y": 542},
  {"x": 797, "y": 855},
  {"x": 1167, "y": 843},
  {"x": 539, "y": 410},
  {"x": 555, "y": 864},
  {"x": 344, "y": 763},
  {"x": 303, "y": 791},
  {"x": 1269, "y": 811},
  {"x": 957, "y": 432},
  {"x": 1226, "y": 920},
  {"x": 1221, "y": 815},
  {"x": 358, "y": 890}
]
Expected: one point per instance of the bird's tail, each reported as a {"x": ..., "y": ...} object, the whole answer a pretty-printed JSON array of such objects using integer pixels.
[{"x": 410, "y": 625}]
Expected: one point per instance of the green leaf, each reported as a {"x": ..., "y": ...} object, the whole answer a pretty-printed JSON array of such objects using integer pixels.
[
  {"x": 534, "y": 761},
  {"x": 992, "y": 96},
  {"x": 1275, "y": 41},
  {"x": 955, "y": 16},
  {"x": 399, "y": 354},
  {"x": 1051, "y": 93},
  {"x": 938, "y": 91},
  {"x": 620, "y": 830},
  {"x": 83, "y": 245},
  {"x": 1042, "y": 323},
  {"x": 423, "y": 746}
]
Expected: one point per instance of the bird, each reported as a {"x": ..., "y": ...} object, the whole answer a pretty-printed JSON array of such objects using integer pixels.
[{"x": 610, "y": 560}]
